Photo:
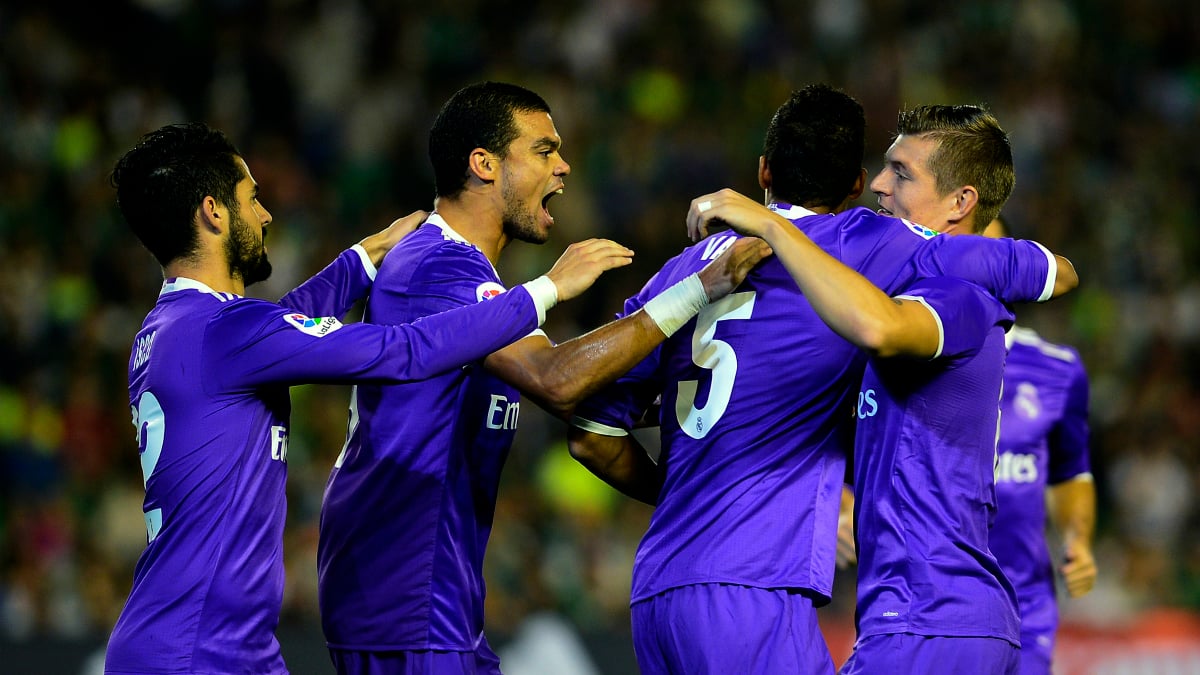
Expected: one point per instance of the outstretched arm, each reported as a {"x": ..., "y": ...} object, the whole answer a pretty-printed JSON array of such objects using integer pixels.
[
  {"x": 557, "y": 377},
  {"x": 847, "y": 301}
]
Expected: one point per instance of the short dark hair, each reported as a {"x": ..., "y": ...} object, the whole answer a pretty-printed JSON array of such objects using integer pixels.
[
  {"x": 814, "y": 146},
  {"x": 479, "y": 115},
  {"x": 972, "y": 150},
  {"x": 162, "y": 181}
]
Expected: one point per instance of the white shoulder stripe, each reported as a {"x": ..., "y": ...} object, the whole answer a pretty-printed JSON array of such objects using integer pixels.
[{"x": 1030, "y": 338}]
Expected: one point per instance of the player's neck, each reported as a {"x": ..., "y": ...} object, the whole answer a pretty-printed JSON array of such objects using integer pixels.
[
  {"x": 478, "y": 223},
  {"x": 815, "y": 208},
  {"x": 212, "y": 274}
]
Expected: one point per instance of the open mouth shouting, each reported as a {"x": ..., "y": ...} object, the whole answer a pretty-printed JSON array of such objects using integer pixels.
[{"x": 546, "y": 202}]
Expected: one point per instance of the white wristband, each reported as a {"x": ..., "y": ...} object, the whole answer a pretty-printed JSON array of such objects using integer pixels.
[
  {"x": 544, "y": 294},
  {"x": 677, "y": 305}
]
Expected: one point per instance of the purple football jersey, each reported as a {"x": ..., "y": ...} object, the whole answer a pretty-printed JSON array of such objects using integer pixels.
[
  {"x": 408, "y": 507},
  {"x": 923, "y": 477},
  {"x": 208, "y": 379},
  {"x": 756, "y": 393},
  {"x": 1043, "y": 441}
]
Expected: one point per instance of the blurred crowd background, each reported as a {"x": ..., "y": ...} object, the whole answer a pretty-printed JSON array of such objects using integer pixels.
[{"x": 331, "y": 100}]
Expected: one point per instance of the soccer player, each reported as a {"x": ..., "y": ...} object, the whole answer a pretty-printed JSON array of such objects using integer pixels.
[
  {"x": 208, "y": 386},
  {"x": 1042, "y": 466},
  {"x": 755, "y": 400},
  {"x": 931, "y": 596},
  {"x": 409, "y": 505}
]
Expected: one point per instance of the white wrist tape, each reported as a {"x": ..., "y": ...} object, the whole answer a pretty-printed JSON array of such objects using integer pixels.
[
  {"x": 677, "y": 305},
  {"x": 544, "y": 294}
]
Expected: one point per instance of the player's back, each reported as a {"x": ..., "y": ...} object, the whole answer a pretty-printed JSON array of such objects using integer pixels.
[
  {"x": 208, "y": 588},
  {"x": 408, "y": 507},
  {"x": 755, "y": 411}
]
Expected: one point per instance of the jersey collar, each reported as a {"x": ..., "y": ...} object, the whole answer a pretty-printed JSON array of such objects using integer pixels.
[
  {"x": 435, "y": 219},
  {"x": 174, "y": 284},
  {"x": 790, "y": 212}
]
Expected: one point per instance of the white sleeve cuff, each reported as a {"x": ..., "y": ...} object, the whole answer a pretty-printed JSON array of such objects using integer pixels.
[
  {"x": 544, "y": 294},
  {"x": 368, "y": 266},
  {"x": 597, "y": 428},
  {"x": 1051, "y": 275}
]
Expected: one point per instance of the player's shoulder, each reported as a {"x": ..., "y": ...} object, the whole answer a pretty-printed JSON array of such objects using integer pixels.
[
  {"x": 435, "y": 238},
  {"x": 1028, "y": 342},
  {"x": 861, "y": 218},
  {"x": 433, "y": 253}
]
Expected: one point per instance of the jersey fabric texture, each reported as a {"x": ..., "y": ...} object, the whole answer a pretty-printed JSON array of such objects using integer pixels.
[
  {"x": 1043, "y": 441},
  {"x": 923, "y": 477},
  {"x": 756, "y": 397},
  {"x": 208, "y": 381},
  {"x": 409, "y": 505}
]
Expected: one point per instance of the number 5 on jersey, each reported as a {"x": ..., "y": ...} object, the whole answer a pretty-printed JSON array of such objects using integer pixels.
[{"x": 714, "y": 355}]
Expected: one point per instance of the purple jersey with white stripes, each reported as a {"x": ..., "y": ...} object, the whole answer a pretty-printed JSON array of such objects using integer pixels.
[
  {"x": 756, "y": 393},
  {"x": 923, "y": 477},
  {"x": 408, "y": 507},
  {"x": 1043, "y": 441},
  {"x": 208, "y": 379}
]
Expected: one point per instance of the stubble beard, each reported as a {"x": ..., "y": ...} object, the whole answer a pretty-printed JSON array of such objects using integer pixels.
[
  {"x": 246, "y": 255},
  {"x": 518, "y": 223}
]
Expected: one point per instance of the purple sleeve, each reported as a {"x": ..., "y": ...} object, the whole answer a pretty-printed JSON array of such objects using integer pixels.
[
  {"x": 1068, "y": 439},
  {"x": 257, "y": 343},
  {"x": 333, "y": 290},
  {"x": 964, "y": 313},
  {"x": 1012, "y": 270}
]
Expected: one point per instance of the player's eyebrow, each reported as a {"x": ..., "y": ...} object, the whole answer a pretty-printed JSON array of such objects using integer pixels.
[{"x": 546, "y": 143}]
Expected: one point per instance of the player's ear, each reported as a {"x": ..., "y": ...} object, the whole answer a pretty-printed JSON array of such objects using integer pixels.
[
  {"x": 483, "y": 165},
  {"x": 860, "y": 184},
  {"x": 210, "y": 215},
  {"x": 764, "y": 173},
  {"x": 962, "y": 210}
]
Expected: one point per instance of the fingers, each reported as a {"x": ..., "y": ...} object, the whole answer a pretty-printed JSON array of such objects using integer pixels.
[
  {"x": 1079, "y": 570},
  {"x": 599, "y": 248},
  {"x": 410, "y": 222},
  {"x": 700, "y": 213},
  {"x": 583, "y": 262},
  {"x": 1079, "y": 576}
]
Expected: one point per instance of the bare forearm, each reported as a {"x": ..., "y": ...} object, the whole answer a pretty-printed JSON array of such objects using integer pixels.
[
  {"x": 579, "y": 367},
  {"x": 1073, "y": 509},
  {"x": 557, "y": 378}
]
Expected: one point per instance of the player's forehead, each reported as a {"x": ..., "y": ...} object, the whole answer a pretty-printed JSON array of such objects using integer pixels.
[
  {"x": 911, "y": 151},
  {"x": 536, "y": 129},
  {"x": 247, "y": 184}
]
